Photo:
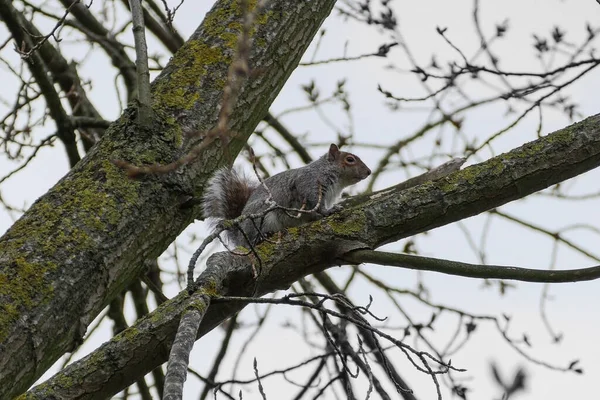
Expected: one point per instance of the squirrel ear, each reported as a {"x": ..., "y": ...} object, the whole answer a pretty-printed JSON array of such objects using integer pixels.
[{"x": 333, "y": 152}]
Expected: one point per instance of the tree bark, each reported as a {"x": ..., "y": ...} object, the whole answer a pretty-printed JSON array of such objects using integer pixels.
[
  {"x": 86, "y": 240},
  {"x": 368, "y": 221}
]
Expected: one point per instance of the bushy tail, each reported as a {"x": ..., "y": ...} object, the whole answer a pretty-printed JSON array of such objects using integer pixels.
[{"x": 226, "y": 194}]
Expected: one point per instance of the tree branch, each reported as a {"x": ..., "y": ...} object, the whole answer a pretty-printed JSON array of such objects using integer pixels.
[
  {"x": 381, "y": 218},
  {"x": 59, "y": 239},
  {"x": 39, "y": 70},
  {"x": 91, "y": 27},
  {"x": 170, "y": 38},
  {"x": 370, "y": 340},
  {"x": 471, "y": 270},
  {"x": 143, "y": 74},
  {"x": 288, "y": 137},
  {"x": 212, "y": 375},
  {"x": 182, "y": 347},
  {"x": 66, "y": 76}
]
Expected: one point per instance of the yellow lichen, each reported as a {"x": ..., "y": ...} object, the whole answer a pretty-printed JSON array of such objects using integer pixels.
[{"x": 190, "y": 65}]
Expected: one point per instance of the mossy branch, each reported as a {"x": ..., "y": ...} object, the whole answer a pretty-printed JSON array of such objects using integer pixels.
[
  {"x": 96, "y": 227},
  {"x": 383, "y": 217}
]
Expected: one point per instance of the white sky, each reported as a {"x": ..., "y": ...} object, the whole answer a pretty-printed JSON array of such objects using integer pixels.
[{"x": 571, "y": 311}]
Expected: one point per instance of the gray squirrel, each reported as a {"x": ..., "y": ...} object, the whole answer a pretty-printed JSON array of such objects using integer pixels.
[{"x": 302, "y": 195}]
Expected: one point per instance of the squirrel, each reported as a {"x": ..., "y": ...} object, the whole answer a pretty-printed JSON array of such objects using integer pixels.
[{"x": 301, "y": 195}]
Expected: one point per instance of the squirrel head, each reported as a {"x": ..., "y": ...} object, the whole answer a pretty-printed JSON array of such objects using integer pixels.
[{"x": 352, "y": 169}]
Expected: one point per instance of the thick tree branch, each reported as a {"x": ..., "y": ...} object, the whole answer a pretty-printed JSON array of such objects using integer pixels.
[
  {"x": 382, "y": 217},
  {"x": 532, "y": 167},
  {"x": 86, "y": 240}
]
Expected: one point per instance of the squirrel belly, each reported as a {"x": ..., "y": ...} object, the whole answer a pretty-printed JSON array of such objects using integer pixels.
[{"x": 303, "y": 195}]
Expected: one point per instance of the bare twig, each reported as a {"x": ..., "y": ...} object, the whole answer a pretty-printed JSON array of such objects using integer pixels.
[
  {"x": 472, "y": 270},
  {"x": 232, "y": 323},
  {"x": 260, "y": 386},
  {"x": 143, "y": 74},
  {"x": 43, "y": 39}
]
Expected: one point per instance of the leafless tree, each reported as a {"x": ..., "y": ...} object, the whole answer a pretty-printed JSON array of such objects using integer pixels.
[{"x": 75, "y": 257}]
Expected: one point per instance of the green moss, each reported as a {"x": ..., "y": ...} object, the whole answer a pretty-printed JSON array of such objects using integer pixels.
[
  {"x": 130, "y": 334},
  {"x": 469, "y": 174},
  {"x": 8, "y": 315},
  {"x": 210, "y": 288},
  {"x": 99, "y": 356},
  {"x": 174, "y": 133},
  {"x": 64, "y": 381},
  {"x": 350, "y": 226},
  {"x": 266, "y": 250},
  {"x": 260, "y": 42},
  {"x": 64, "y": 222},
  {"x": 91, "y": 202},
  {"x": 168, "y": 308},
  {"x": 22, "y": 282},
  {"x": 195, "y": 59},
  {"x": 116, "y": 182},
  {"x": 230, "y": 38},
  {"x": 535, "y": 150},
  {"x": 497, "y": 166},
  {"x": 191, "y": 63},
  {"x": 450, "y": 182},
  {"x": 293, "y": 233},
  {"x": 199, "y": 306},
  {"x": 224, "y": 18}
]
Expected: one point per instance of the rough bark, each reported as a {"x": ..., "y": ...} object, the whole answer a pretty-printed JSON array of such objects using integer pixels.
[
  {"x": 372, "y": 221},
  {"x": 86, "y": 240},
  {"x": 179, "y": 358}
]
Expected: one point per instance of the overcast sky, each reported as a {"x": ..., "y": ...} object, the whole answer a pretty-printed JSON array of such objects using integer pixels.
[{"x": 573, "y": 309}]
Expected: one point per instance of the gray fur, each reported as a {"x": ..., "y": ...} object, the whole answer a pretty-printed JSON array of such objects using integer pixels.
[
  {"x": 226, "y": 195},
  {"x": 295, "y": 189}
]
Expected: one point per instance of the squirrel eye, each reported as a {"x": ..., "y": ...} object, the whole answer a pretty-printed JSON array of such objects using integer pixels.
[{"x": 350, "y": 159}]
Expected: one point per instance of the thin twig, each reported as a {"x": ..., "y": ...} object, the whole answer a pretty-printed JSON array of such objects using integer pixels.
[
  {"x": 471, "y": 270},
  {"x": 144, "y": 116}
]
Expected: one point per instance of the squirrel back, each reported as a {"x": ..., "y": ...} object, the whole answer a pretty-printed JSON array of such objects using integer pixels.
[{"x": 313, "y": 189}]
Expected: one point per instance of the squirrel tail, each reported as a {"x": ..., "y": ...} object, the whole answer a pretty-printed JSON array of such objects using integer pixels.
[{"x": 226, "y": 194}]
